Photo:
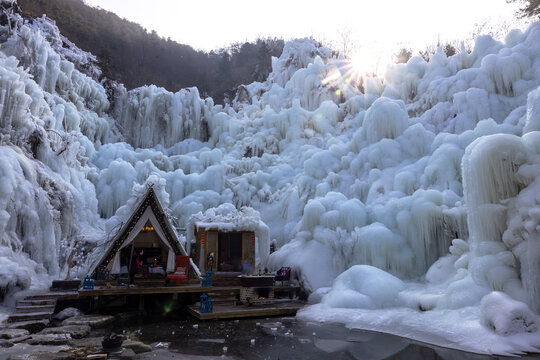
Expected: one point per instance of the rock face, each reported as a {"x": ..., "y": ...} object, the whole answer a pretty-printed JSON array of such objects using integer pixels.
[
  {"x": 94, "y": 321},
  {"x": 75, "y": 331}
]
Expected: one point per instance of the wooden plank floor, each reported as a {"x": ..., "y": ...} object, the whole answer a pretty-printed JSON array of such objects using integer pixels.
[
  {"x": 142, "y": 290},
  {"x": 279, "y": 308},
  {"x": 189, "y": 288}
]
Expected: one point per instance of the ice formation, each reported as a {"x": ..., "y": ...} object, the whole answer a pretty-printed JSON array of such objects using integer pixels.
[{"x": 427, "y": 179}]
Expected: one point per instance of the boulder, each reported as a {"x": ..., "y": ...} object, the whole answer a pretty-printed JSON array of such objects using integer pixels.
[
  {"x": 88, "y": 342},
  {"x": 42, "y": 355},
  {"x": 125, "y": 354},
  {"x": 12, "y": 333},
  {"x": 94, "y": 321},
  {"x": 14, "y": 336},
  {"x": 137, "y": 346},
  {"x": 5, "y": 343},
  {"x": 49, "y": 339},
  {"x": 32, "y": 326},
  {"x": 67, "y": 313},
  {"x": 75, "y": 331}
]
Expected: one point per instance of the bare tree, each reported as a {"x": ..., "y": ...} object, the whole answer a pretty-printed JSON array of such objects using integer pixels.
[
  {"x": 346, "y": 42},
  {"x": 403, "y": 56},
  {"x": 531, "y": 8}
]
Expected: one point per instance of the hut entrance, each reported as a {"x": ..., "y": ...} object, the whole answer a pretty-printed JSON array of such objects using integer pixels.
[
  {"x": 148, "y": 254},
  {"x": 230, "y": 251}
]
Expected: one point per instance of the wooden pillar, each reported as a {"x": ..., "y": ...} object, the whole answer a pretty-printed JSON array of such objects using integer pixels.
[{"x": 141, "y": 302}]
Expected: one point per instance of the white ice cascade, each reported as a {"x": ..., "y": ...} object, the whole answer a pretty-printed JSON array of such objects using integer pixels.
[
  {"x": 52, "y": 115},
  {"x": 426, "y": 183},
  {"x": 150, "y": 116}
]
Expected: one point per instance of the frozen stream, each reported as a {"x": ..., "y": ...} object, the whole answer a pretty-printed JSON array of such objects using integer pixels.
[{"x": 284, "y": 338}]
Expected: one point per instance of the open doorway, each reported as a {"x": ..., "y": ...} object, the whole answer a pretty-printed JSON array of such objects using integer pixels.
[
  {"x": 230, "y": 251},
  {"x": 146, "y": 256}
]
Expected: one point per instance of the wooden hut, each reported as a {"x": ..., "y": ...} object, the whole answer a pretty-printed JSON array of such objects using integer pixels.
[
  {"x": 228, "y": 240},
  {"x": 149, "y": 235}
]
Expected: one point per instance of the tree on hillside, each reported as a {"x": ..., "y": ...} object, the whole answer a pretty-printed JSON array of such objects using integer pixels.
[
  {"x": 448, "y": 48},
  {"x": 531, "y": 8},
  {"x": 403, "y": 56},
  {"x": 130, "y": 54}
]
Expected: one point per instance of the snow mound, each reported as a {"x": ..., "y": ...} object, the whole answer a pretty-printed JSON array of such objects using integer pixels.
[
  {"x": 507, "y": 316},
  {"x": 385, "y": 118},
  {"x": 364, "y": 286}
]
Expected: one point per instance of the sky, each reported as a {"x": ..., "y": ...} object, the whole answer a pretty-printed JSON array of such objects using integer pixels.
[{"x": 378, "y": 28}]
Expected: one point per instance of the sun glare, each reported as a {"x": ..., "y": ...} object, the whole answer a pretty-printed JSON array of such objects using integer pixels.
[{"x": 365, "y": 61}]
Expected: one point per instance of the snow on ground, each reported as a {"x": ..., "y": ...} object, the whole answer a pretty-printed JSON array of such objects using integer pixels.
[
  {"x": 427, "y": 178},
  {"x": 458, "y": 329}
]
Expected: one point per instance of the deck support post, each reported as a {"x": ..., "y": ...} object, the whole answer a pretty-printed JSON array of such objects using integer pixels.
[{"x": 141, "y": 302}]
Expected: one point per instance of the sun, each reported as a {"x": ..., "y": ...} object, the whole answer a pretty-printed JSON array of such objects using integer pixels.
[{"x": 367, "y": 62}]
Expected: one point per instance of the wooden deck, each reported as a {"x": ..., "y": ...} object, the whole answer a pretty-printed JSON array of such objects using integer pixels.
[
  {"x": 279, "y": 308},
  {"x": 188, "y": 288},
  {"x": 146, "y": 290},
  {"x": 224, "y": 308}
]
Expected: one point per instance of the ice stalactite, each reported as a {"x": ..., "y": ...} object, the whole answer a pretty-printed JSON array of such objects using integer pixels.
[
  {"x": 533, "y": 112},
  {"x": 385, "y": 119},
  {"x": 491, "y": 183},
  {"x": 27, "y": 213},
  {"x": 150, "y": 116},
  {"x": 429, "y": 229},
  {"x": 490, "y": 166},
  {"x": 52, "y": 72},
  {"x": 522, "y": 236}
]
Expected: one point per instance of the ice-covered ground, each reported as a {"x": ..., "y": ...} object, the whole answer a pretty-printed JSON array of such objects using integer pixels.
[{"x": 428, "y": 178}]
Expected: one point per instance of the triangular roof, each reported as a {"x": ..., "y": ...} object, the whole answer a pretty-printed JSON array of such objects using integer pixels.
[{"x": 149, "y": 205}]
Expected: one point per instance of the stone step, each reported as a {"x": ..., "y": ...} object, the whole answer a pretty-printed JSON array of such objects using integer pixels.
[
  {"x": 29, "y": 316},
  {"x": 34, "y": 308},
  {"x": 36, "y": 302}
]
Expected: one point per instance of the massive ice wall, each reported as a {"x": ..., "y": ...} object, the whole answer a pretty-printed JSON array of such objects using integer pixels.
[
  {"x": 52, "y": 117},
  {"x": 438, "y": 159}
]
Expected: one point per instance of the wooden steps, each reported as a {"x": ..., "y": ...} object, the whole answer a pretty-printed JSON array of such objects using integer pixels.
[
  {"x": 65, "y": 295},
  {"x": 29, "y": 316},
  {"x": 35, "y": 302},
  {"x": 34, "y": 308},
  {"x": 282, "y": 308},
  {"x": 224, "y": 297},
  {"x": 29, "y": 309}
]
